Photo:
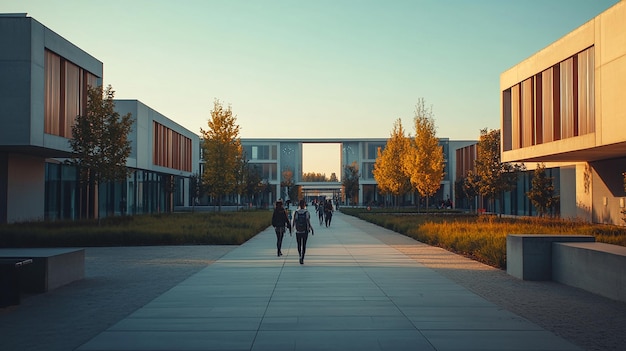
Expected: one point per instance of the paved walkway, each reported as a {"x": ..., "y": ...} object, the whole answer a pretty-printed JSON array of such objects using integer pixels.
[{"x": 353, "y": 292}]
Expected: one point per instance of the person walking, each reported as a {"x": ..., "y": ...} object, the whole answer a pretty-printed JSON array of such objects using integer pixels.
[
  {"x": 302, "y": 224},
  {"x": 320, "y": 212},
  {"x": 328, "y": 212},
  {"x": 280, "y": 221}
]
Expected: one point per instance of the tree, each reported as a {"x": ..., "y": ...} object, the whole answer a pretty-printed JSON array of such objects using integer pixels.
[
  {"x": 494, "y": 177},
  {"x": 541, "y": 193},
  {"x": 222, "y": 152},
  {"x": 388, "y": 171},
  {"x": 195, "y": 189},
  {"x": 470, "y": 186},
  {"x": 423, "y": 161},
  {"x": 314, "y": 177},
  {"x": 333, "y": 177},
  {"x": 288, "y": 183},
  {"x": 351, "y": 181},
  {"x": 100, "y": 145},
  {"x": 253, "y": 184}
]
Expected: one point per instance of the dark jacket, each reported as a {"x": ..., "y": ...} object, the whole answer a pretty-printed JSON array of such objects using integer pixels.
[{"x": 279, "y": 218}]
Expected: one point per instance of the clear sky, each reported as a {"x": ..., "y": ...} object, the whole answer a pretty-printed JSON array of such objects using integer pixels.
[{"x": 322, "y": 68}]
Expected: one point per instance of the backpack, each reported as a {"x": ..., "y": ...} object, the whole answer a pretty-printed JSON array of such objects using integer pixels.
[{"x": 301, "y": 222}]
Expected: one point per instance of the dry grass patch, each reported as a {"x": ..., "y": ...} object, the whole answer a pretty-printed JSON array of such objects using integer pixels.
[
  {"x": 223, "y": 228},
  {"x": 482, "y": 237}
]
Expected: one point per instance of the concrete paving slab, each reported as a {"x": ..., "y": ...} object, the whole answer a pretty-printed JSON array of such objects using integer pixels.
[{"x": 353, "y": 292}]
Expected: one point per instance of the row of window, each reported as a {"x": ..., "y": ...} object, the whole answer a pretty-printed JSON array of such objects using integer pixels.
[
  {"x": 555, "y": 104},
  {"x": 65, "y": 94},
  {"x": 261, "y": 152},
  {"x": 142, "y": 192},
  {"x": 171, "y": 149},
  {"x": 465, "y": 159}
]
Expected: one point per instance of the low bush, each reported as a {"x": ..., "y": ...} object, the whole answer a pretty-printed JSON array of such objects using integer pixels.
[
  {"x": 482, "y": 237},
  {"x": 212, "y": 228}
]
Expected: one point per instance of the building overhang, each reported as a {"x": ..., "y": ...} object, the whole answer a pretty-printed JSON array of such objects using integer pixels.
[
  {"x": 35, "y": 151},
  {"x": 565, "y": 151}
]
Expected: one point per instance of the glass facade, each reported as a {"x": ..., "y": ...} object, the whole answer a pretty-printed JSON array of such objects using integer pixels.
[{"x": 143, "y": 192}]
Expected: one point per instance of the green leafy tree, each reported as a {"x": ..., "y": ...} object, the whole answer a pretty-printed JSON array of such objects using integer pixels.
[
  {"x": 494, "y": 177},
  {"x": 100, "y": 145},
  {"x": 222, "y": 154},
  {"x": 388, "y": 171},
  {"x": 470, "y": 186},
  {"x": 541, "y": 193},
  {"x": 333, "y": 177},
  {"x": 423, "y": 161},
  {"x": 351, "y": 182}
]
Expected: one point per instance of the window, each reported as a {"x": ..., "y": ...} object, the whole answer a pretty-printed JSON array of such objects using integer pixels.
[
  {"x": 371, "y": 150},
  {"x": 65, "y": 86},
  {"x": 171, "y": 149},
  {"x": 261, "y": 152},
  {"x": 554, "y": 104},
  {"x": 586, "y": 91}
]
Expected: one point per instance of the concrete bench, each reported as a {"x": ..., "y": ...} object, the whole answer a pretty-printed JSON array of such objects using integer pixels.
[
  {"x": 10, "y": 280},
  {"x": 529, "y": 256},
  {"x": 50, "y": 268},
  {"x": 596, "y": 267}
]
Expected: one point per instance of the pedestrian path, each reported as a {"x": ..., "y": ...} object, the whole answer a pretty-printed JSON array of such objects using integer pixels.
[{"x": 352, "y": 293}]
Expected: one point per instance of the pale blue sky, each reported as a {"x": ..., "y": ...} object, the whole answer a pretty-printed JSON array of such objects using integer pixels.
[{"x": 323, "y": 68}]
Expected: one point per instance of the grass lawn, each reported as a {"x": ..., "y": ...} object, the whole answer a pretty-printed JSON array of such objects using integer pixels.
[
  {"x": 481, "y": 237},
  {"x": 206, "y": 228}
]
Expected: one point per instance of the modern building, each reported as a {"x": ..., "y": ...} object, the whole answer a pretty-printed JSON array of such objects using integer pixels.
[
  {"x": 273, "y": 156},
  {"x": 565, "y": 107},
  {"x": 43, "y": 87}
]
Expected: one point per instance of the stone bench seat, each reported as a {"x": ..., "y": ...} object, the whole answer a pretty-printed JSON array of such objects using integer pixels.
[
  {"x": 575, "y": 260},
  {"x": 10, "y": 280},
  {"x": 596, "y": 267},
  {"x": 50, "y": 267}
]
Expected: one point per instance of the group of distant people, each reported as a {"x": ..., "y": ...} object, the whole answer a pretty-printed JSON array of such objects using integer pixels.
[
  {"x": 300, "y": 221},
  {"x": 325, "y": 212}
]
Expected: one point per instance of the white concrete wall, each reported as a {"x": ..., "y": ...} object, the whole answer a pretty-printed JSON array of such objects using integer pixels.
[{"x": 569, "y": 208}]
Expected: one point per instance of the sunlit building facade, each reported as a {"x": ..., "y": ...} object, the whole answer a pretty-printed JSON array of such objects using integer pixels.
[
  {"x": 565, "y": 107},
  {"x": 43, "y": 87}
]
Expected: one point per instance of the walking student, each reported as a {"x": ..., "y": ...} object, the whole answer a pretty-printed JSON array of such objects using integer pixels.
[
  {"x": 328, "y": 212},
  {"x": 280, "y": 221},
  {"x": 320, "y": 212},
  {"x": 302, "y": 224}
]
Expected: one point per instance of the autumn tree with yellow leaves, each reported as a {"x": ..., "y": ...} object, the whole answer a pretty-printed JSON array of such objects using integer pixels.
[
  {"x": 388, "y": 170},
  {"x": 423, "y": 161},
  {"x": 222, "y": 153}
]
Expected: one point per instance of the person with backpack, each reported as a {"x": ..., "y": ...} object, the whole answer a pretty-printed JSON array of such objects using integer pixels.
[
  {"x": 280, "y": 221},
  {"x": 302, "y": 224}
]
